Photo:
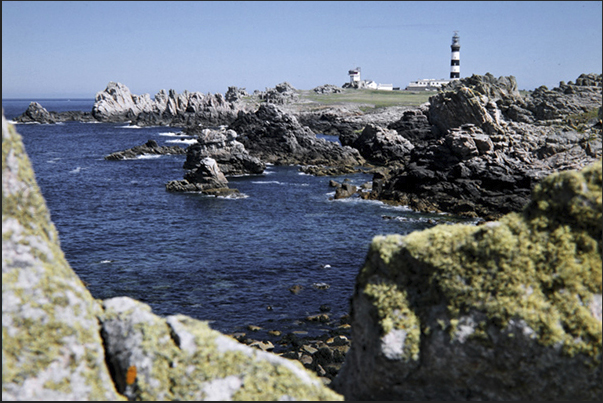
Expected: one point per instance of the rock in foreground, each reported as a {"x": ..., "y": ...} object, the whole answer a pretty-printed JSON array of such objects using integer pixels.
[
  {"x": 510, "y": 310},
  {"x": 59, "y": 343}
]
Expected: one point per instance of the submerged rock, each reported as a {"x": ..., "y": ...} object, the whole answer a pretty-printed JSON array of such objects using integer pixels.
[
  {"x": 509, "y": 310},
  {"x": 59, "y": 343}
]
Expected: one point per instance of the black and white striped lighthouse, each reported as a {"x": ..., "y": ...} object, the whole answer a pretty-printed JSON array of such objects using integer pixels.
[{"x": 455, "y": 59}]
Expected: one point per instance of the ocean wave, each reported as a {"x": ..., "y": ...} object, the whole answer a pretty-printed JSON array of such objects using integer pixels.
[
  {"x": 173, "y": 134},
  {"x": 76, "y": 170},
  {"x": 182, "y": 141},
  {"x": 148, "y": 156},
  {"x": 130, "y": 127},
  {"x": 234, "y": 196},
  {"x": 268, "y": 183}
]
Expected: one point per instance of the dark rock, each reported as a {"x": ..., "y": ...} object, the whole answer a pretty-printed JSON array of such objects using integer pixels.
[
  {"x": 345, "y": 190},
  {"x": 222, "y": 145},
  {"x": 478, "y": 162},
  {"x": 277, "y": 137},
  {"x": 149, "y": 148},
  {"x": 36, "y": 113},
  {"x": 382, "y": 146},
  {"x": 328, "y": 89}
]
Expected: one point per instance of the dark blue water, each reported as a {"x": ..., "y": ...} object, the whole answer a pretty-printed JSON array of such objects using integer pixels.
[{"x": 217, "y": 259}]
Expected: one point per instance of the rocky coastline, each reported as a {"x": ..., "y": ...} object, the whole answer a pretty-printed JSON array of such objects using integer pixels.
[
  {"x": 508, "y": 310},
  {"x": 476, "y": 149}
]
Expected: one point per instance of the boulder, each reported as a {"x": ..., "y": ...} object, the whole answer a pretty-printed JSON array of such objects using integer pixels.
[
  {"x": 206, "y": 178},
  {"x": 222, "y": 145},
  {"x": 59, "y": 343},
  {"x": 345, "y": 190},
  {"x": 473, "y": 100},
  {"x": 509, "y": 310},
  {"x": 382, "y": 146},
  {"x": 328, "y": 89},
  {"x": 281, "y": 94},
  {"x": 149, "y": 148}
]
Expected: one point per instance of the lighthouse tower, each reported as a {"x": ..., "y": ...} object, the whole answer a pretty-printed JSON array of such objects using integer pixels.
[{"x": 455, "y": 59}]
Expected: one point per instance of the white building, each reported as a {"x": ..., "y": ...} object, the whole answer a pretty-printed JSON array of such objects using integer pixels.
[
  {"x": 427, "y": 84},
  {"x": 356, "y": 82}
]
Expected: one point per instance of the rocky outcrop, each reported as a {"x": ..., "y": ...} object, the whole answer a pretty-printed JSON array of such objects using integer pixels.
[
  {"x": 327, "y": 89},
  {"x": 59, "y": 343},
  {"x": 283, "y": 93},
  {"x": 471, "y": 158},
  {"x": 382, "y": 146},
  {"x": 222, "y": 145},
  {"x": 277, "y": 137},
  {"x": 206, "y": 178},
  {"x": 490, "y": 102},
  {"x": 543, "y": 104},
  {"x": 149, "y": 148},
  {"x": 509, "y": 310},
  {"x": 36, "y": 113},
  {"x": 117, "y": 104}
]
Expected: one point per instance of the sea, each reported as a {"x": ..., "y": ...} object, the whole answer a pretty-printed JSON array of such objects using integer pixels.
[{"x": 228, "y": 261}]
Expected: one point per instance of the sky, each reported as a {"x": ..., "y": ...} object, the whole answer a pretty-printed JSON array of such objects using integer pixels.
[{"x": 74, "y": 49}]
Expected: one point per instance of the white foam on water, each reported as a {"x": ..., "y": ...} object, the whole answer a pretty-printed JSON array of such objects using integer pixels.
[
  {"x": 182, "y": 141},
  {"x": 148, "y": 156},
  {"x": 173, "y": 134},
  {"x": 268, "y": 182}
]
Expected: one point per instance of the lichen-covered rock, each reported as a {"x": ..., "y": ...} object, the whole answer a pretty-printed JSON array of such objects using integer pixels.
[
  {"x": 51, "y": 345},
  {"x": 509, "y": 310},
  {"x": 59, "y": 343},
  {"x": 180, "y": 358}
]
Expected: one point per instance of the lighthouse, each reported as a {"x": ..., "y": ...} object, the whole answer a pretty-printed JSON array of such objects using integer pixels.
[{"x": 455, "y": 59}]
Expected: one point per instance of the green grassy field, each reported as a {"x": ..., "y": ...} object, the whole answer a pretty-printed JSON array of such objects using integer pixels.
[{"x": 376, "y": 98}]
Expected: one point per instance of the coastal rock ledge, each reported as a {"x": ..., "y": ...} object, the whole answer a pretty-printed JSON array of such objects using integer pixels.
[
  {"x": 59, "y": 343},
  {"x": 508, "y": 310}
]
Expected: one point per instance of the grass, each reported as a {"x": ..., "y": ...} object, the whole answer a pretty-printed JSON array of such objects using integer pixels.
[{"x": 376, "y": 98}]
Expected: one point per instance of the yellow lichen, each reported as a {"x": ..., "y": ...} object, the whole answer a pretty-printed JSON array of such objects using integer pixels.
[{"x": 542, "y": 265}]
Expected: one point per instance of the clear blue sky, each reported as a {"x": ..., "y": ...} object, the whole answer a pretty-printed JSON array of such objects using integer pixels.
[{"x": 73, "y": 49}]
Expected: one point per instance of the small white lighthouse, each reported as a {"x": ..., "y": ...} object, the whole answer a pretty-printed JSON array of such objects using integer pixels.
[
  {"x": 354, "y": 76},
  {"x": 455, "y": 59}
]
